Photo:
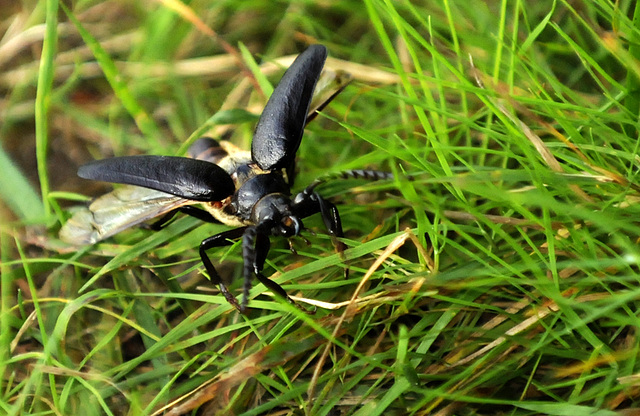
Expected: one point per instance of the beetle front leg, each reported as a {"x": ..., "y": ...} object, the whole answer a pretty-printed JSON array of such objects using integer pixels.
[
  {"x": 331, "y": 218},
  {"x": 220, "y": 240},
  {"x": 309, "y": 202}
]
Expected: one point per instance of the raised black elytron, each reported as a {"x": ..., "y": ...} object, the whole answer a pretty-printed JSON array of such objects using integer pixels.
[{"x": 249, "y": 190}]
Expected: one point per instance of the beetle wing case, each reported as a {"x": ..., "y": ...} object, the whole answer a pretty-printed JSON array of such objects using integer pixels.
[
  {"x": 279, "y": 130},
  {"x": 181, "y": 176}
]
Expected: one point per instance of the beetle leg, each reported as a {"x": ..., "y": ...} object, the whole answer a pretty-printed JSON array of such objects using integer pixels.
[
  {"x": 249, "y": 259},
  {"x": 309, "y": 202},
  {"x": 292, "y": 249},
  {"x": 255, "y": 247},
  {"x": 331, "y": 217},
  {"x": 329, "y": 213},
  {"x": 220, "y": 240},
  {"x": 192, "y": 211}
]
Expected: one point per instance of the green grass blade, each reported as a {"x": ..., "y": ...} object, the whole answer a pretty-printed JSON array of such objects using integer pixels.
[
  {"x": 117, "y": 81},
  {"x": 43, "y": 98},
  {"x": 17, "y": 192}
]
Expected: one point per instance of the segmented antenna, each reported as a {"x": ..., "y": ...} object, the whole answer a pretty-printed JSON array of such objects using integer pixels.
[{"x": 370, "y": 175}]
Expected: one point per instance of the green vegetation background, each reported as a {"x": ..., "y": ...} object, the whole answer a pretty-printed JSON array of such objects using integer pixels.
[{"x": 503, "y": 279}]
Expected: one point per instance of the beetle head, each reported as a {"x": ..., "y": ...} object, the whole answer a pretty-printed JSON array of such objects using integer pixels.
[{"x": 272, "y": 213}]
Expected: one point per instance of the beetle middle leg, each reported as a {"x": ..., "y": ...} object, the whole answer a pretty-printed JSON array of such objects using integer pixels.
[
  {"x": 220, "y": 240},
  {"x": 255, "y": 247},
  {"x": 192, "y": 211},
  {"x": 331, "y": 218}
]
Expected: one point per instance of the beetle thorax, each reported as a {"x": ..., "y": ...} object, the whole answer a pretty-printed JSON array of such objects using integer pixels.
[
  {"x": 252, "y": 193},
  {"x": 272, "y": 213}
]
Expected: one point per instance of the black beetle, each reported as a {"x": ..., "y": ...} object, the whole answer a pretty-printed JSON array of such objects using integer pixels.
[{"x": 249, "y": 190}]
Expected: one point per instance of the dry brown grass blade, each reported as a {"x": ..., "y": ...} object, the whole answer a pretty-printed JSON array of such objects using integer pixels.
[
  {"x": 268, "y": 357},
  {"x": 500, "y": 219},
  {"x": 189, "y": 15},
  {"x": 607, "y": 173},
  {"x": 351, "y": 309},
  {"x": 245, "y": 87},
  {"x": 537, "y": 315},
  {"x": 215, "y": 387},
  {"x": 535, "y": 140}
]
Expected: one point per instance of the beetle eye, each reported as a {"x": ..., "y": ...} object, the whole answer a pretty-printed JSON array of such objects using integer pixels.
[{"x": 290, "y": 226}]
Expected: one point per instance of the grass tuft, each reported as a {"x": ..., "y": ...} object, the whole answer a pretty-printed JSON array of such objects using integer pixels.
[{"x": 497, "y": 274}]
